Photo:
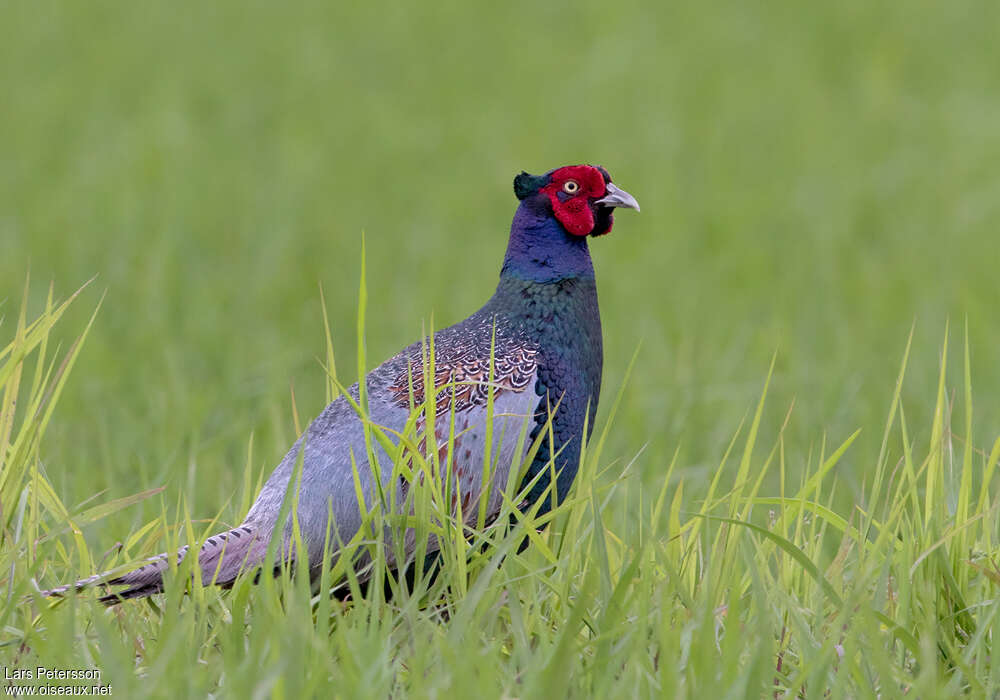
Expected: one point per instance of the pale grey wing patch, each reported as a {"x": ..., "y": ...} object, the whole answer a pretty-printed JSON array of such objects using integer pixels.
[
  {"x": 513, "y": 420},
  {"x": 332, "y": 453},
  {"x": 475, "y": 477}
]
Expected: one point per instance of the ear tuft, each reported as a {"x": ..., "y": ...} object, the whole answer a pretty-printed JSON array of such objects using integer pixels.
[{"x": 526, "y": 184}]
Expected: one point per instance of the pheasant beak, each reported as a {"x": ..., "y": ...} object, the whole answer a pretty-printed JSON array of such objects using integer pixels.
[{"x": 617, "y": 197}]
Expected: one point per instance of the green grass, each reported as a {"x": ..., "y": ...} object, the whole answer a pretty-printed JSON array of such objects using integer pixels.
[
  {"x": 815, "y": 181},
  {"x": 740, "y": 593}
]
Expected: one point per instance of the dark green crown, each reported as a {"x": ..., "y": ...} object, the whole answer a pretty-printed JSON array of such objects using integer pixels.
[{"x": 527, "y": 184}]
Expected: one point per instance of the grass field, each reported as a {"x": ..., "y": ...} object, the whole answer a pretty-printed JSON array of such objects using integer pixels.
[{"x": 817, "y": 183}]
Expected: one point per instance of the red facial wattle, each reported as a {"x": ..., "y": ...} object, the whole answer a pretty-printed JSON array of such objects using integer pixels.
[
  {"x": 574, "y": 210},
  {"x": 574, "y": 214}
]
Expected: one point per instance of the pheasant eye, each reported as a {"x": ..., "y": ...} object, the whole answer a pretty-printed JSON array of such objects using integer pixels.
[{"x": 571, "y": 187}]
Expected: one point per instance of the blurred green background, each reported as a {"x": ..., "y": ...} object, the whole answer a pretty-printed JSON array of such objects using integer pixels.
[{"x": 814, "y": 179}]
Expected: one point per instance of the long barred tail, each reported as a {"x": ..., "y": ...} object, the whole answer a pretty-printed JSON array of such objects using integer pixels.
[{"x": 222, "y": 557}]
